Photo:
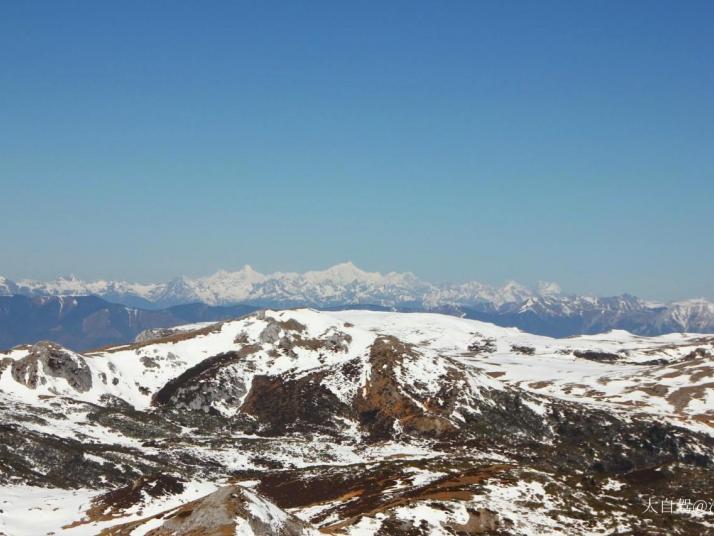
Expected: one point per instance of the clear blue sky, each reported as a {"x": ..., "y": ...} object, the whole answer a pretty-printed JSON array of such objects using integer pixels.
[{"x": 565, "y": 141}]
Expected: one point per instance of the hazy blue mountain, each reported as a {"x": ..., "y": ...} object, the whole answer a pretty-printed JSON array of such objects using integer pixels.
[{"x": 85, "y": 322}]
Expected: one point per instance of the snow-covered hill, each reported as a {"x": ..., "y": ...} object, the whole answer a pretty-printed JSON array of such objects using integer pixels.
[{"x": 356, "y": 423}]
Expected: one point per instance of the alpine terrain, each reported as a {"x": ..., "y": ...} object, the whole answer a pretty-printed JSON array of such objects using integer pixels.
[{"x": 355, "y": 422}]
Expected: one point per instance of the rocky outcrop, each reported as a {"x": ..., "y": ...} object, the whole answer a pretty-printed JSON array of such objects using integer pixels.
[
  {"x": 229, "y": 511},
  {"x": 283, "y": 404},
  {"x": 153, "y": 334},
  {"x": 207, "y": 384},
  {"x": 48, "y": 360},
  {"x": 384, "y": 405},
  {"x": 286, "y": 335},
  {"x": 594, "y": 355}
]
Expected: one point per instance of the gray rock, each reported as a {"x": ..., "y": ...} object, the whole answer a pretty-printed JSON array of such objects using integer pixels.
[
  {"x": 271, "y": 333},
  {"x": 153, "y": 334},
  {"x": 52, "y": 360},
  {"x": 231, "y": 507}
]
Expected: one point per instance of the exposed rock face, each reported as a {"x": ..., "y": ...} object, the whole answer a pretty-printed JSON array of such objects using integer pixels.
[
  {"x": 47, "y": 359},
  {"x": 289, "y": 334},
  {"x": 210, "y": 382},
  {"x": 153, "y": 334},
  {"x": 229, "y": 511},
  {"x": 385, "y": 402},
  {"x": 271, "y": 333},
  {"x": 291, "y": 404},
  {"x": 384, "y": 406}
]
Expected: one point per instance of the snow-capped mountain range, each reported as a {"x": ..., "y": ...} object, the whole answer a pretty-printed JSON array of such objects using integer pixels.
[
  {"x": 338, "y": 285},
  {"x": 541, "y": 309}
]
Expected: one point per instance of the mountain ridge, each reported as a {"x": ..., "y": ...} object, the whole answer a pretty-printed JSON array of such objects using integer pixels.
[
  {"x": 85, "y": 322},
  {"x": 341, "y": 283},
  {"x": 542, "y": 309}
]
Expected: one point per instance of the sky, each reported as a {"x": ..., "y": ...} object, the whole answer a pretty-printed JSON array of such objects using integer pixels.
[{"x": 560, "y": 141}]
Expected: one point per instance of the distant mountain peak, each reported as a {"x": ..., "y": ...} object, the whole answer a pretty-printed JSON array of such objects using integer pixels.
[
  {"x": 548, "y": 288},
  {"x": 248, "y": 269},
  {"x": 246, "y": 273},
  {"x": 345, "y": 272},
  {"x": 543, "y": 308}
]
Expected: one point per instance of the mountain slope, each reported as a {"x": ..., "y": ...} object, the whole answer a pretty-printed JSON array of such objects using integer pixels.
[
  {"x": 360, "y": 422},
  {"x": 565, "y": 316}
]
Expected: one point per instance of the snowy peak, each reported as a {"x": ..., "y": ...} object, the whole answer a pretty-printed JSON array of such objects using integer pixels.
[
  {"x": 7, "y": 287},
  {"x": 542, "y": 309},
  {"x": 347, "y": 273},
  {"x": 689, "y": 316},
  {"x": 244, "y": 277},
  {"x": 548, "y": 288},
  {"x": 337, "y": 285},
  {"x": 343, "y": 273},
  {"x": 559, "y": 305}
]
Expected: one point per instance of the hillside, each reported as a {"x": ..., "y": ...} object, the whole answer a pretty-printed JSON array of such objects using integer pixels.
[{"x": 359, "y": 422}]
